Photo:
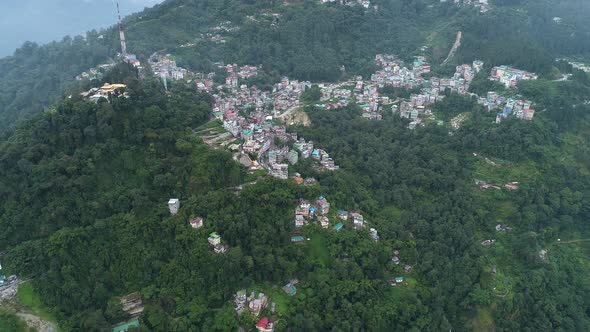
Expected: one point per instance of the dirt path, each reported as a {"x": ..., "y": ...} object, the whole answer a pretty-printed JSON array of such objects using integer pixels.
[
  {"x": 10, "y": 302},
  {"x": 572, "y": 241},
  {"x": 454, "y": 48},
  {"x": 37, "y": 323}
]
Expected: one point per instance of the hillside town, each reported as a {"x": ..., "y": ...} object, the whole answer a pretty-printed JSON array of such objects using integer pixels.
[
  {"x": 254, "y": 119},
  {"x": 482, "y": 5}
]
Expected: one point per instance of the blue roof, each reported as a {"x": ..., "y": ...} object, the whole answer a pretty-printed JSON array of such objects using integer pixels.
[
  {"x": 321, "y": 197},
  {"x": 316, "y": 151},
  {"x": 338, "y": 226},
  {"x": 297, "y": 238},
  {"x": 126, "y": 326},
  {"x": 311, "y": 209}
]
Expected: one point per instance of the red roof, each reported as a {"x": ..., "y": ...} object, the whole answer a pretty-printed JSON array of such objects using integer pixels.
[{"x": 263, "y": 322}]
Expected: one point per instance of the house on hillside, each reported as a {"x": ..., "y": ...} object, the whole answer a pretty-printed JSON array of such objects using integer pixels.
[
  {"x": 323, "y": 204},
  {"x": 220, "y": 248},
  {"x": 265, "y": 325},
  {"x": 290, "y": 289},
  {"x": 214, "y": 239},
  {"x": 196, "y": 222},
  {"x": 358, "y": 220},
  {"x": 300, "y": 221},
  {"x": 174, "y": 205},
  {"x": 342, "y": 215},
  {"x": 132, "y": 304},
  {"x": 324, "y": 221}
]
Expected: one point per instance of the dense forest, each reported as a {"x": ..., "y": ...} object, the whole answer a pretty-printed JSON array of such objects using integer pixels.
[{"x": 84, "y": 186}]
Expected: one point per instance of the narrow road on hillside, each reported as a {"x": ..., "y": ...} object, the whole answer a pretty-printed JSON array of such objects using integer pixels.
[
  {"x": 572, "y": 241},
  {"x": 454, "y": 48}
]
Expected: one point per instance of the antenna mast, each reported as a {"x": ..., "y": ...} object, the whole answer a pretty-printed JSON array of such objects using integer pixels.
[{"x": 121, "y": 33}]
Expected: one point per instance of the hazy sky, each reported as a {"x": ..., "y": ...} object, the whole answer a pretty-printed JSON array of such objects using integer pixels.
[{"x": 46, "y": 20}]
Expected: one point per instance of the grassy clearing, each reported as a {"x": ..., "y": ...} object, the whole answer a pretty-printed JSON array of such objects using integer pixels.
[
  {"x": 493, "y": 170},
  {"x": 483, "y": 320},
  {"x": 319, "y": 250},
  {"x": 29, "y": 298}
]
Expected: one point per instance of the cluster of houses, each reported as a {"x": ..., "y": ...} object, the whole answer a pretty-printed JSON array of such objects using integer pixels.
[
  {"x": 519, "y": 108},
  {"x": 418, "y": 107},
  {"x": 106, "y": 91},
  {"x": 398, "y": 280},
  {"x": 482, "y": 5},
  {"x": 248, "y": 114},
  {"x": 306, "y": 211},
  {"x": 510, "y": 76},
  {"x": 214, "y": 238},
  {"x": 364, "y": 3},
  {"x": 95, "y": 73},
  {"x": 217, "y": 33},
  {"x": 318, "y": 211},
  {"x": 254, "y": 304},
  {"x": 392, "y": 72},
  {"x": 396, "y": 260},
  {"x": 165, "y": 66},
  {"x": 580, "y": 66}
]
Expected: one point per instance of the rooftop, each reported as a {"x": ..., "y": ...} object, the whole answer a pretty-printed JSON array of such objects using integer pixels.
[{"x": 126, "y": 326}]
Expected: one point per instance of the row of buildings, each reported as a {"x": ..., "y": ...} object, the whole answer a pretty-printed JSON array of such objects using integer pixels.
[
  {"x": 510, "y": 76},
  {"x": 165, "y": 66},
  {"x": 519, "y": 108}
]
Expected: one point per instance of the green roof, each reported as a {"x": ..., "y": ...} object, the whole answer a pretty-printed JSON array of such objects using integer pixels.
[
  {"x": 338, "y": 226},
  {"x": 214, "y": 234},
  {"x": 126, "y": 326},
  {"x": 399, "y": 279}
]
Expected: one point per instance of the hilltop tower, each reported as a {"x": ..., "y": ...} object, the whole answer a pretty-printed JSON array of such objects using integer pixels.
[{"x": 121, "y": 33}]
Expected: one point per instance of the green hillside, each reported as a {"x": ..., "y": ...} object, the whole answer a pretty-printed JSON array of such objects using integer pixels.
[{"x": 84, "y": 186}]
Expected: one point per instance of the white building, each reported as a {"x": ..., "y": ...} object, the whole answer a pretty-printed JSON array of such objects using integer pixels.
[{"x": 174, "y": 205}]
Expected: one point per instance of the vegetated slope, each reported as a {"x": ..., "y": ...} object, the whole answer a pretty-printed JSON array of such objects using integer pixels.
[
  {"x": 429, "y": 175},
  {"x": 56, "y": 168}
]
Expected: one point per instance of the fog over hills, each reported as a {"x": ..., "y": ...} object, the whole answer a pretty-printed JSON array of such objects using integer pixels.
[{"x": 43, "y": 21}]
